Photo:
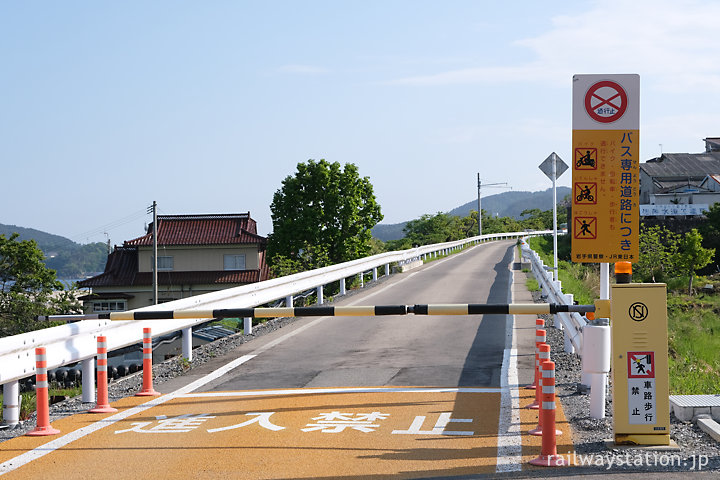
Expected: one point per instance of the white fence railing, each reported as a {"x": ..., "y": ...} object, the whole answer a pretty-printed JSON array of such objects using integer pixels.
[
  {"x": 77, "y": 342},
  {"x": 572, "y": 324},
  {"x": 591, "y": 342}
]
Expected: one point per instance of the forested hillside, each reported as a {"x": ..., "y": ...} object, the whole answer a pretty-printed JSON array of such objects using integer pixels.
[{"x": 69, "y": 259}]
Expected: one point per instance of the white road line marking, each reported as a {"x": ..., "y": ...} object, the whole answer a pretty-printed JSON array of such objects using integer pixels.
[
  {"x": 509, "y": 456},
  {"x": 310, "y": 391},
  {"x": 60, "y": 442}
]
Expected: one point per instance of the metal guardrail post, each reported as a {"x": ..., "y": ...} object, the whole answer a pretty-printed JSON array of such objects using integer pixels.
[
  {"x": 247, "y": 326},
  {"x": 11, "y": 403},
  {"x": 187, "y": 343},
  {"x": 88, "y": 380},
  {"x": 83, "y": 333},
  {"x": 320, "y": 297}
]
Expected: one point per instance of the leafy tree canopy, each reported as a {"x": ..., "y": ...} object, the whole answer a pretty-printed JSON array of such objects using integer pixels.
[
  {"x": 658, "y": 254},
  {"x": 438, "y": 228},
  {"x": 322, "y": 215},
  {"x": 28, "y": 288},
  {"x": 692, "y": 256}
]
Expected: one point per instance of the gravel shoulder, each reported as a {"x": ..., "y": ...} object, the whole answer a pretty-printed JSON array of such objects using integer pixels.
[
  {"x": 589, "y": 435},
  {"x": 168, "y": 370}
]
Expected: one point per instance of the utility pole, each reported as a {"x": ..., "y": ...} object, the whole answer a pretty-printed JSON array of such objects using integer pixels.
[
  {"x": 479, "y": 185},
  {"x": 153, "y": 209}
]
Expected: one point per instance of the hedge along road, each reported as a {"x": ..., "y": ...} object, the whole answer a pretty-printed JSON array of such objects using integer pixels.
[{"x": 332, "y": 396}]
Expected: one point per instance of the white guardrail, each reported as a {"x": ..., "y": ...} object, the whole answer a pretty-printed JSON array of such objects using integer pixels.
[
  {"x": 572, "y": 324},
  {"x": 590, "y": 341},
  {"x": 77, "y": 342}
]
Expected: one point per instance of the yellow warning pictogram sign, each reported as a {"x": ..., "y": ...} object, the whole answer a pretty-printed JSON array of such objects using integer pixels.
[{"x": 606, "y": 168}]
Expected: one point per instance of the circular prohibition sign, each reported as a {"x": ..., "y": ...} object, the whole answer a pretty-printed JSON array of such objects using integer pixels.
[{"x": 606, "y": 101}]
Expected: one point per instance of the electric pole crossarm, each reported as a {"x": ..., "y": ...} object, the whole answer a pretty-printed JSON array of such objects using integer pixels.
[{"x": 479, "y": 187}]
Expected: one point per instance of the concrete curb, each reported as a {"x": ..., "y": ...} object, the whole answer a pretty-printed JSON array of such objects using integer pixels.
[
  {"x": 687, "y": 407},
  {"x": 709, "y": 426}
]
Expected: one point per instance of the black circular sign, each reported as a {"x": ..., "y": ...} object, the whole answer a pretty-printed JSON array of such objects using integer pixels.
[{"x": 638, "y": 311}]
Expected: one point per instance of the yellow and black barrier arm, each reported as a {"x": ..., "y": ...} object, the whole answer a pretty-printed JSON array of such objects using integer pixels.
[{"x": 600, "y": 308}]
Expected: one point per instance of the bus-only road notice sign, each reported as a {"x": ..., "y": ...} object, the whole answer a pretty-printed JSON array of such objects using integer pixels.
[{"x": 605, "y": 168}]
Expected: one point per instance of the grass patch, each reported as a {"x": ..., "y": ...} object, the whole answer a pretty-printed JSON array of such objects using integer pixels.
[
  {"x": 582, "y": 280},
  {"x": 532, "y": 285},
  {"x": 28, "y": 403},
  {"x": 234, "y": 324},
  {"x": 693, "y": 344}
]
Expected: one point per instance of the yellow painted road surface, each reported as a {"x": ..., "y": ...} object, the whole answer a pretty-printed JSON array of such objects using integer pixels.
[{"x": 406, "y": 432}]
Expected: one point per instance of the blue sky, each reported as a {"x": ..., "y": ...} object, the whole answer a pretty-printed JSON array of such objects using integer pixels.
[{"x": 207, "y": 106}]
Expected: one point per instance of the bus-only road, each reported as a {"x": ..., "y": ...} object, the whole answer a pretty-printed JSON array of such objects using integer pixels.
[{"x": 404, "y": 396}]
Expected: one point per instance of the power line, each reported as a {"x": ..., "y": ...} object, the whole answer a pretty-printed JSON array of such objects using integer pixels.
[{"x": 109, "y": 226}]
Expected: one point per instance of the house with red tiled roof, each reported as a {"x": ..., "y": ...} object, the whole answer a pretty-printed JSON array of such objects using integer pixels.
[{"x": 196, "y": 254}]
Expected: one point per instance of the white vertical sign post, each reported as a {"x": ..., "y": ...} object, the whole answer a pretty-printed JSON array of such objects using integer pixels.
[{"x": 553, "y": 167}]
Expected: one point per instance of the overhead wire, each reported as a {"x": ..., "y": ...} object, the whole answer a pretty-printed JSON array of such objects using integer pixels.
[{"x": 109, "y": 226}]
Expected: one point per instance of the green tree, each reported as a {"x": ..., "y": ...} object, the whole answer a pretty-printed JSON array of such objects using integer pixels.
[
  {"x": 499, "y": 224},
  {"x": 692, "y": 256},
  {"x": 658, "y": 253},
  {"x": 469, "y": 224},
  {"x": 322, "y": 215},
  {"x": 438, "y": 228},
  {"x": 28, "y": 288},
  {"x": 710, "y": 229}
]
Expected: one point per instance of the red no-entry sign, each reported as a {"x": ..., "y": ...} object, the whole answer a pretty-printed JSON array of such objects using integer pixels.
[{"x": 606, "y": 101}]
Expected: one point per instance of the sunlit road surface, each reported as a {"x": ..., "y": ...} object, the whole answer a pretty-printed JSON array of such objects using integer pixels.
[
  {"x": 332, "y": 397},
  {"x": 303, "y": 433}
]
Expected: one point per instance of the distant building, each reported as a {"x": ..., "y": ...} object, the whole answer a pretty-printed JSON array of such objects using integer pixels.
[
  {"x": 196, "y": 254},
  {"x": 672, "y": 182}
]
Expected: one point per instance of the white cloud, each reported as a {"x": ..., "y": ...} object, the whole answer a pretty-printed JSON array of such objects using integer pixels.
[{"x": 674, "y": 43}]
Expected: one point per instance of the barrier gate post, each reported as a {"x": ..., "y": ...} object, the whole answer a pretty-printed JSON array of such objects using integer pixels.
[{"x": 641, "y": 404}]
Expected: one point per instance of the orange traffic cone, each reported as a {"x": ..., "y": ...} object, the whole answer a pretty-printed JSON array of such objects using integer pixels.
[
  {"x": 548, "y": 452},
  {"x": 539, "y": 323},
  {"x": 42, "y": 397},
  {"x": 540, "y": 337},
  {"x": 103, "y": 403},
  {"x": 147, "y": 390}
]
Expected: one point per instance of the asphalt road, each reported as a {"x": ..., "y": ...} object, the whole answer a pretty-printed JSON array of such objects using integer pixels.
[
  {"x": 397, "y": 351},
  {"x": 330, "y": 397}
]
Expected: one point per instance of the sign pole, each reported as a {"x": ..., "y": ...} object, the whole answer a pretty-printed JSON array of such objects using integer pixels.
[
  {"x": 555, "y": 253},
  {"x": 479, "y": 185},
  {"x": 553, "y": 167}
]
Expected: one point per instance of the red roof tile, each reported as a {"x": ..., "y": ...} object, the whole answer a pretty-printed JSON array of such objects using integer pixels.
[
  {"x": 202, "y": 230},
  {"x": 121, "y": 271}
]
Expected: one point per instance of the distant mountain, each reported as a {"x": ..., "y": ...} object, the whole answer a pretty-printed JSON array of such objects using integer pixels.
[
  {"x": 69, "y": 259},
  {"x": 511, "y": 204},
  {"x": 47, "y": 242},
  {"x": 506, "y": 204}
]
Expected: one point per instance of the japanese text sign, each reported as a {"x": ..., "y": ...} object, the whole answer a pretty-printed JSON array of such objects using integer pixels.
[
  {"x": 641, "y": 405},
  {"x": 605, "y": 168}
]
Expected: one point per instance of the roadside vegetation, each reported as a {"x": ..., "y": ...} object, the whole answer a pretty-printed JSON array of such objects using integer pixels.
[
  {"x": 56, "y": 394},
  {"x": 28, "y": 288},
  {"x": 693, "y": 301}
]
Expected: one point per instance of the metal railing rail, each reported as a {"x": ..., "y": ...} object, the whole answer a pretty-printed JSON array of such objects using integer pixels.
[
  {"x": 69, "y": 344},
  {"x": 572, "y": 323}
]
